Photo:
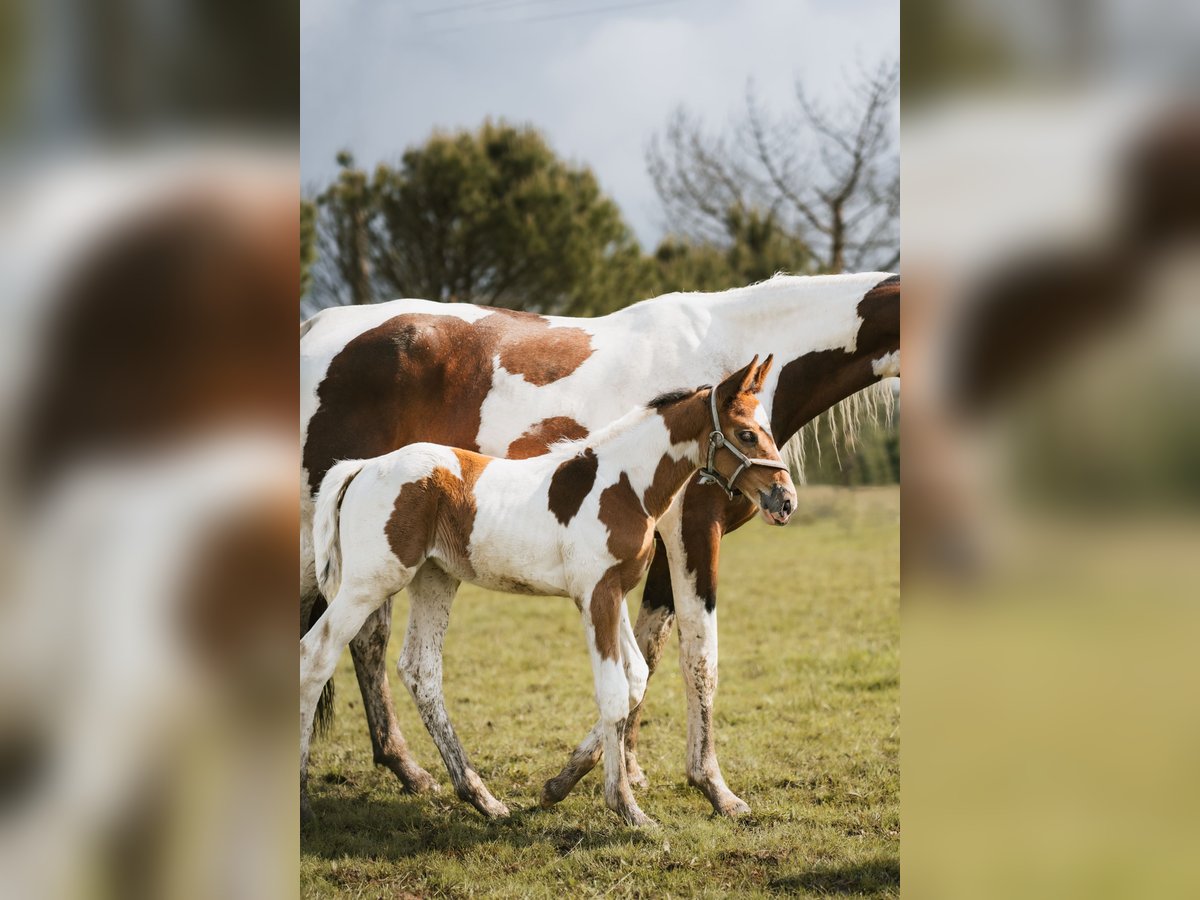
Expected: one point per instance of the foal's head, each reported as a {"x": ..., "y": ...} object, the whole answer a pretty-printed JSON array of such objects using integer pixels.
[{"x": 745, "y": 456}]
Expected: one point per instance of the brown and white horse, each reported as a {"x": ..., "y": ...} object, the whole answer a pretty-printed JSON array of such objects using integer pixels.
[
  {"x": 375, "y": 378},
  {"x": 576, "y": 522}
]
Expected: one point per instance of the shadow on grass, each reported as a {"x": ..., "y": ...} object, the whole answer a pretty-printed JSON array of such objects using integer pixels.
[
  {"x": 875, "y": 875},
  {"x": 405, "y": 827}
]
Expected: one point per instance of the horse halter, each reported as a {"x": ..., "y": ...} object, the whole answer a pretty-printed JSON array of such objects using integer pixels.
[{"x": 717, "y": 440}]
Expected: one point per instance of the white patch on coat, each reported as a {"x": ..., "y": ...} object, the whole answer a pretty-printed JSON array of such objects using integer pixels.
[{"x": 888, "y": 365}]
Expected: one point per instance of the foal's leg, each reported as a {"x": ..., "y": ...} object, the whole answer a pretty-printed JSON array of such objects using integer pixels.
[
  {"x": 589, "y": 752},
  {"x": 654, "y": 621},
  {"x": 602, "y": 626},
  {"x": 431, "y": 593},
  {"x": 369, "y": 650},
  {"x": 320, "y": 649}
]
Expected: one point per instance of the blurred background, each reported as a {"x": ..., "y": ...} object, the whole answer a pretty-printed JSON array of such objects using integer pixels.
[
  {"x": 1051, "y": 240},
  {"x": 149, "y": 176}
]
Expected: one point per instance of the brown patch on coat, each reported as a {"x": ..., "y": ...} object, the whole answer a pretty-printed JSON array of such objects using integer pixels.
[
  {"x": 687, "y": 419},
  {"x": 537, "y": 352},
  {"x": 537, "y": 440},
  {"x": 571, "y": 483},
  {"x": 670, "y": 476},
  {"x": 424, "y": 377},
  {"x": 437, "y": 512},
  {"x": 631, "y": 542}
]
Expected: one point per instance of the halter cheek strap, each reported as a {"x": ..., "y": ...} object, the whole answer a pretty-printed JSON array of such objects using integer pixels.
[{"x": 717, "y": 440}]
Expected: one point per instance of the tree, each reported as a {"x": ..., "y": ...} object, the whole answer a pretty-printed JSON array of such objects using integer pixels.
[
  {"x": 341, "y": 273},
  {"x": 826, "y": 181},
  {"x": 308, "y": 243},
  {"x": 755, "y": 248},
  {"x": 491, "y": 216}
]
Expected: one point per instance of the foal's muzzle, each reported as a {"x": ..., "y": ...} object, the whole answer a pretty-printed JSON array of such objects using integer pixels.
[{"x": 778, "y": 504}]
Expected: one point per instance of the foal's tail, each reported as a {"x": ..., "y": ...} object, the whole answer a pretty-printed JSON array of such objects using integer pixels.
[{"x": 327, "y": 542}]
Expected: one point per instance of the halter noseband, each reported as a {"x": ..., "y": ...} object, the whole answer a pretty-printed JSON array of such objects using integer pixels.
[{"x": 717, "y": 440}]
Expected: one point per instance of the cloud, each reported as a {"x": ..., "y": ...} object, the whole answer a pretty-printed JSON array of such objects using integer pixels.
[{"x": 376, "y": 78}]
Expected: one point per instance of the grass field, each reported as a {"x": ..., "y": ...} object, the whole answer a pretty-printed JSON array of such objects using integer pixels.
[{"x": 808, "y": 731}]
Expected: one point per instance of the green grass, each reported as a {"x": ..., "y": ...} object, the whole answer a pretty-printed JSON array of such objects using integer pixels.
[{"x": 808, "y": 732}]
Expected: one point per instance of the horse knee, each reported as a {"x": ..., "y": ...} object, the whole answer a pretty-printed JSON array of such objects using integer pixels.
[
  {"x": 408, "y": 667},
  {"x": 612, "y": 694}
]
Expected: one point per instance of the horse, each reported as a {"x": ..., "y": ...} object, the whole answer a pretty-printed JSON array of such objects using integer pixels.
[
  {"x": 378, "y": 377},
  {"x": 576, "y": 522}
]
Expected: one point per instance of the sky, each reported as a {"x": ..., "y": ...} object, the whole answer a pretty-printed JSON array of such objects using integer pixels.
[{"x": 598, "y": 77}]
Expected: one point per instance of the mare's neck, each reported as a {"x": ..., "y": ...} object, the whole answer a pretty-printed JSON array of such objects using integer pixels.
[{"x": 827, "y": 332}]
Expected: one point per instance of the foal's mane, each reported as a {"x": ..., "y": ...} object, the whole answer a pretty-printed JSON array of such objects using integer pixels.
[
  {"x": 570, "y": 446},
  {"x": 670, "y": 398}
]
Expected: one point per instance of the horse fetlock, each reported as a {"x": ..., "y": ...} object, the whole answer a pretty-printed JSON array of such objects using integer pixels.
[
  {"x": 414, "y": 778},
  {"x": 623, "y": 804},
  {"x": 637, "y": 778}
]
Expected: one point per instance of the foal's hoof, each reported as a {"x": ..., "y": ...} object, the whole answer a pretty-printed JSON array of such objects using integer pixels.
[
  {"x": 635, "y": 817},
  {"x": 733, "y": 807},
  {"x": 637, "y": 778}
]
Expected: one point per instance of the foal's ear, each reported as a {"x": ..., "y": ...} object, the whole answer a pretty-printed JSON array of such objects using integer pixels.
[
  {"x": 745, "y": 377},
  {"x": 760, "y": 376}
]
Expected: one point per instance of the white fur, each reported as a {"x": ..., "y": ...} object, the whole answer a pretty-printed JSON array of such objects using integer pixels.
[{"x": 888, "y": 365}]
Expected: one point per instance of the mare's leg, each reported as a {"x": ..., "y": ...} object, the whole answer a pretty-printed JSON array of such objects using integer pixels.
[
  {"x": 369, "y": 650},
  {"x": 589, "y": 752},
  {"x": 602, "y": 626},
  {"x": 321, "y": 647},
  {"x": 432, "y": 592}
]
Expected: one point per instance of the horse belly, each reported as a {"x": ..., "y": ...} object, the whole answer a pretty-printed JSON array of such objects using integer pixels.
[{"x": 517, "y": 551}]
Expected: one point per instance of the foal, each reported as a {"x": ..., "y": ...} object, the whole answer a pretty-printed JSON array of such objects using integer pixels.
[{"x": 577, "y": 522}]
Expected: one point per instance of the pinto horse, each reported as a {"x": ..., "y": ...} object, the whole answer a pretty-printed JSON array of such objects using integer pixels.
[
  {"x": 576, "y": 522},
  {"x": 378, "y": 377}
]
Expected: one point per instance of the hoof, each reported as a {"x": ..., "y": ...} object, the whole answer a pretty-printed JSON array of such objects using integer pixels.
[
  {"x": 733, "y": 807},
  {"x": 635, "y": 817},
  {"x": 637, "y": 778},
  {"x": 552, "y": 793},
  {"x": 420, "y": 782},
  {"x": 415, "y": 779},
  {"x": 492, "y": 808}
]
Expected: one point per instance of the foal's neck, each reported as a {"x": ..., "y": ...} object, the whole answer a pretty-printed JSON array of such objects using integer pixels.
[{"x": 658, "y": 449}]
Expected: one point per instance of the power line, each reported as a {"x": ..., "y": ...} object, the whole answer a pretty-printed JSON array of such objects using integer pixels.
[
  {"x": 486, "y": 5},
  {"x": 551, "y": 16}
]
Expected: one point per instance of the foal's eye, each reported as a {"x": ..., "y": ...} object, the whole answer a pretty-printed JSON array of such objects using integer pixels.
[{"x": 747, "y": 437}]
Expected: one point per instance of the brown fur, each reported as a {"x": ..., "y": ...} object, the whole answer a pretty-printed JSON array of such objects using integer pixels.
[
  {"x": 420, "y": 377},
  {"x": 438, "y": 509},
  {"x": 631, "y": 541},
  {"x": 571, "y": 483},
  {"x": 665, "y": 484},
  {"x": 537, "y": 440},
  {"x": 684, "y": 420},
  {"x": 539, "y": 353}
]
